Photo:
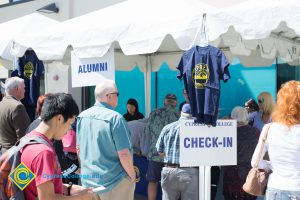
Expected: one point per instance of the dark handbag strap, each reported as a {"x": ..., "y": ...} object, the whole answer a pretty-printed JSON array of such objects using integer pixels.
[
  {"x": 30, "y": 139},
  {"x": 262, "y": 147}
]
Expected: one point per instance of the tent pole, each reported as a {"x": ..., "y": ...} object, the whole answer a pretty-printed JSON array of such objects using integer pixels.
[
  {"x": 207, "y": 182},
  {"x": 147, "y": 80},
  {"x": 45, "y": 78},
  {"x": 276, "y": 65},
  {"x": 156, "y": 89}
]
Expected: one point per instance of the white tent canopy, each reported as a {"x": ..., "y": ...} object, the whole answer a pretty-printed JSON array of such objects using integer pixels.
[
  {"x": 264, "y": 30},
  {"x": 254, "y": 31},
  {"x": 13, "y": 29},
  {"x": 150, "y": 32},
  {"x": 134, "y": 27}
]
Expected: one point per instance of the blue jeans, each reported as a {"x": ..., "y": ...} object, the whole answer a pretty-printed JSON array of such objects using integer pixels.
[{"x": 275, "y": 194}]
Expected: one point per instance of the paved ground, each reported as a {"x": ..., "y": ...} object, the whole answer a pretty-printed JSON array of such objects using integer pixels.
[{"x": 219, "y": 195}]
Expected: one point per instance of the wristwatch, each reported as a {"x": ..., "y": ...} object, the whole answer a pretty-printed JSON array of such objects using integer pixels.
[{"x": 69, "y": 188}]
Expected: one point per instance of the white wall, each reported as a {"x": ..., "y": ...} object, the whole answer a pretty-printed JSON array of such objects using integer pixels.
[
  {"x": 72, "y": 8},
  {"x": 221, "y": 4},
  {"x": 14, "y": 11},
  {"x": 3, "y": 72},
  {"x": 67, "y": 8},
  {"x": 85, "y": 6}
]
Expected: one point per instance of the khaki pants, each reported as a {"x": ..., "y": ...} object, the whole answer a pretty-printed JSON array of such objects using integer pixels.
[{"x": 124, "y": 190}]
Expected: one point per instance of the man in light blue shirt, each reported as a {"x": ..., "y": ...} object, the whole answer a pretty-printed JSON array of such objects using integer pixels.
[
  {"x": 104, "y": 145},
  {"x": 176, "y": 182}
]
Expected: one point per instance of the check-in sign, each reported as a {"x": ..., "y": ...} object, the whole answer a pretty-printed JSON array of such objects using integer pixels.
[
  {"x": 202, "y": 145},
  {"x": 90, "y": 71}
]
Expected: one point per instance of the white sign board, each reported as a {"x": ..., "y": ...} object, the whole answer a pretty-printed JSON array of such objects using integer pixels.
[
  {"x": 3, "y": 72},
  {"x": 57, "y": 77},
  {"x": 90, "y": 71},
  {"x": 202, "y": 145}
]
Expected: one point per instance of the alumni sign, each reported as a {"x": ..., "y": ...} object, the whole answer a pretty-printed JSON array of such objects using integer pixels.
[
  {"x": 202, "y": 145},
  {"x": 90, "y": 71}
]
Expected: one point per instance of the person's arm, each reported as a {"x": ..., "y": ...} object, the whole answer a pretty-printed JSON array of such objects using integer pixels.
[
  {"x": 44, "y": 164},
  {"x": 79, "y": 162},
  {"x": 160, "y": 144},
  {"x": 148, "y": 127},
  {"x": 75, "y": 189},
  {"x": 262, "y": 164},
  {"x": 144, "y": 142},
  {"x": 21, "y": 121},
  {"x": 127, "y": 164},
  {"x": 46, "y": 192},
  {"x": 162, "y": 155},
  {"x": 78, "y": 120},
  {"x": 122, "y": 141}
]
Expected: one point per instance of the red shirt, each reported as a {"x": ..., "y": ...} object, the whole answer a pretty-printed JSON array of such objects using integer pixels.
[{"x": 42, "y": 161}]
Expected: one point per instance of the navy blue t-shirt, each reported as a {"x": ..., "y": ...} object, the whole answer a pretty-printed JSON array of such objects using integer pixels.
[
  {"x": 202, "y": 68},
  {"x": 30, "y": 69}
]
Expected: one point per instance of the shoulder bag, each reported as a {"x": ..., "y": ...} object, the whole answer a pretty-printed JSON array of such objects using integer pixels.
[{"x": 257, "y": 179}]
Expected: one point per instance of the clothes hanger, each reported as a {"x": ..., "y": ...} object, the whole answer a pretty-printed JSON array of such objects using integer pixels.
[{"x": 203, "y": 33}]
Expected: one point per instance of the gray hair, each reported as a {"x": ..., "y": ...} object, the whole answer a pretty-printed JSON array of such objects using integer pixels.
[
  {"x": 103, "y": 88},
  {"x": 12, "y": 83},
  {"x": 240, "y": 114}
]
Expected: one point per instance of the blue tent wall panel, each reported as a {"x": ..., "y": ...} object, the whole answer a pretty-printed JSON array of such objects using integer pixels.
[
  {"x": 246, "y": 83},
  {"x": 130, "y": 85},
  {"x": 167, "y": 82}
]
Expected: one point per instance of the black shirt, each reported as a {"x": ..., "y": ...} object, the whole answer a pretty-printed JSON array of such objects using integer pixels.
[{"x": 136, "y": 116}]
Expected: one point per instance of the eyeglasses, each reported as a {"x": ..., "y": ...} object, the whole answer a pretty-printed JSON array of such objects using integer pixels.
[
  {"x": 260, "y": 101},
  {"x": 116, "y": 93}
]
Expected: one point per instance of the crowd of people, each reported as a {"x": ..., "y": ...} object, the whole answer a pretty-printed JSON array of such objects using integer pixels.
[{"x": 96, "y": 147}]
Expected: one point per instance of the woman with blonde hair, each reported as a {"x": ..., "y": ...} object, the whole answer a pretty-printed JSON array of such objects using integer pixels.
[
  {"x": 283, "y": 145},
  {"x": 266, "y": 106}
]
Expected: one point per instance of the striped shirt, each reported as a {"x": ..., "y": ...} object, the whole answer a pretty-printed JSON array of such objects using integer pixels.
[{"x": 168, "y": 142}]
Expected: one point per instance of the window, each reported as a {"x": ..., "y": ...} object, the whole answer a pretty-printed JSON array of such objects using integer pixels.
[{"x": 286, "y": 72}]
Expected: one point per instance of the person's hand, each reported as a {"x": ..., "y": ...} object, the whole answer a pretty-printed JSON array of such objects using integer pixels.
[
  {"x": 132, "y": 177},
  {"x": 78, "y": 171},
  {"x": 85, "y": 194},
  {"x": 77, "y": 189}
]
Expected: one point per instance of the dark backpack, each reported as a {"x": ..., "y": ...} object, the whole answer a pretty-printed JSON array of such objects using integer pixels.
[{"x": 8, "y": 162}]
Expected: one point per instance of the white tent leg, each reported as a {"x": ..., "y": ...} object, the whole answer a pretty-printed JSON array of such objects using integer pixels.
[
  {"x": 45, "y": 78},
  {"x": 201, "y": 183},
  {"x": 207, "y": 184},
  {"x": 204, "y": 182},
  {"x": 147, "y": 81}
]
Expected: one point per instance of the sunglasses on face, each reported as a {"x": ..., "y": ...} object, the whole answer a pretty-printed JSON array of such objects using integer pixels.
[{"x": 116, "y": 93}]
